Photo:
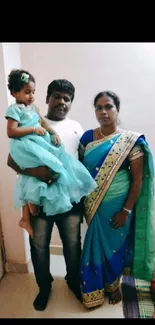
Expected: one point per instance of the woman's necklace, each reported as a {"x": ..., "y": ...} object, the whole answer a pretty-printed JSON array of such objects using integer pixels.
[{"x": 106, "y": 136}]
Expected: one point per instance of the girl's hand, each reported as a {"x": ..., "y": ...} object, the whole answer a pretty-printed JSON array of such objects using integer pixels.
[
  {"x": 57, "y": 140},
  {"x": 39, "y": 131}
]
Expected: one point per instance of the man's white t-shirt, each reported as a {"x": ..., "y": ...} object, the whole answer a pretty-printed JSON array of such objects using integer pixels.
[{"x": 70, "y": 132}]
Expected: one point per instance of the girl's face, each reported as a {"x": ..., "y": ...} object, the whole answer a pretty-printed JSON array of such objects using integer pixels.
[{"x": 26, "y": 94}]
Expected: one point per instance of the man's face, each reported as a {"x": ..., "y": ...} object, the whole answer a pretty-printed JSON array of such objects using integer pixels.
[{"x": 59, "y": 104}]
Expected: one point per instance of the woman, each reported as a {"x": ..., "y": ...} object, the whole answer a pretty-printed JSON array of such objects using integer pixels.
[{"x": 119, "y": 213}]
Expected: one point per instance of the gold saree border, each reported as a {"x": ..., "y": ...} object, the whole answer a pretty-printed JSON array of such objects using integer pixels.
[
  {"x": 96, "y": 298},
  {"x": 108, "y": 170},
  {"x": 93, "y": 299}
]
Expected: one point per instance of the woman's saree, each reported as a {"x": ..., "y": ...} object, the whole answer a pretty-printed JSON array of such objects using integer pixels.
[{"x": 108, "y": 252}]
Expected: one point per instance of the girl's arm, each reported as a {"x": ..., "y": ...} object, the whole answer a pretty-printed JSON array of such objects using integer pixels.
[
  {"x": 49, "y": 129},
  {"x": 14, "y": 131},
  {"x": 43, "y": 123}
]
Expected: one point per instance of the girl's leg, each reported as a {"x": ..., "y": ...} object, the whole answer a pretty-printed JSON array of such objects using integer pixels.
[
  {"x": 25, "y": 220},
  {"x": 33, "y": 209}
]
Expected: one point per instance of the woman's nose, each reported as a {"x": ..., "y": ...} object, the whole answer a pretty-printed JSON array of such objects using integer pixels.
[{"x": 103, "y": 111}]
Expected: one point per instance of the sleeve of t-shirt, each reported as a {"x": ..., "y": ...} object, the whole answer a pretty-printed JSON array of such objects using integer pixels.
[
  {"x": 79, "y": 130},
  {"x": 13, "y": 112}
]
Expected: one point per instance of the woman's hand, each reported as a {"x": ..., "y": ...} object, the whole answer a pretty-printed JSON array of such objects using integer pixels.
[{"x": 119, "y": 219}]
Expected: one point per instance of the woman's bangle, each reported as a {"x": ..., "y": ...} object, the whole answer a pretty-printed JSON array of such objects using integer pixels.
[
  {"x": 129, "y": 211},
  {"x": 34, "y": 129}
]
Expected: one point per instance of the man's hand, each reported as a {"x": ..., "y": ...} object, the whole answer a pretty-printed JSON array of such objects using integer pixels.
[{"x": 42, "y": 173}]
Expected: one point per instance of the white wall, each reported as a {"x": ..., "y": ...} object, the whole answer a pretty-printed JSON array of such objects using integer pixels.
[
  {"x": 126, "y": 68},
  {"x": 13, "y": 235}
]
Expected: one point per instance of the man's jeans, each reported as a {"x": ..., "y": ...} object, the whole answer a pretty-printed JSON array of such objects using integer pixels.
[{"x": 69, "y": 225}]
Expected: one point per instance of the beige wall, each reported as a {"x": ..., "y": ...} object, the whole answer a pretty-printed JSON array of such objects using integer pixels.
[{"x": 126, "y": 68}]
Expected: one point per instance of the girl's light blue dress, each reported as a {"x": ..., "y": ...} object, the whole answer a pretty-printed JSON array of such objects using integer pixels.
[{"x": 30, "y": 151}]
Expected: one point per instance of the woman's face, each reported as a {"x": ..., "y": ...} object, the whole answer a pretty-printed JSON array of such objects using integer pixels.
[{"x": 106, "y": 111}]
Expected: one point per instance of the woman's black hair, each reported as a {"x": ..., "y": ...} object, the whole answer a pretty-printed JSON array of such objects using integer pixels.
[{"x": 110, "y": 94}]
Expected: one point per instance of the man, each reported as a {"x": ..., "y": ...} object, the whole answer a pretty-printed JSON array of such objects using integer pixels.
[{"x": 60, "y": 95}]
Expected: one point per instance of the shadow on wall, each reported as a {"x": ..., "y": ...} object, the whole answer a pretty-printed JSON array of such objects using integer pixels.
[{"x": 2, "y": 253}]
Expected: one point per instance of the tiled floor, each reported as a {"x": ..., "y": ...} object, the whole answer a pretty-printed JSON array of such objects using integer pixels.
[{"x": 17, "y": 292}]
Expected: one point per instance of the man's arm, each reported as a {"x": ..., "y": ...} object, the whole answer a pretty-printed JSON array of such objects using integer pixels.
[
  {"x": 80, "y": 132},
  {"x": 42, "y": 173},
  {"x": 11, "y": 163},
  {"x": 48, "y": 128}
]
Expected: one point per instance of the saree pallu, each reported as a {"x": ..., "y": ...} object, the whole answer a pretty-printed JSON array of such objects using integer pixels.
[{"x": 108, "y": 252}]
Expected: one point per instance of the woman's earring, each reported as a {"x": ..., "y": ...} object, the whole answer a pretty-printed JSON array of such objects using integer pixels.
[{"x": 118, "y": 120}]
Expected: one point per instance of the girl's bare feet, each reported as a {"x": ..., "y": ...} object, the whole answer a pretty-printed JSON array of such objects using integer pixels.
[
  {"x": 27, "y": 226},
  {"x": 25, "y": 220}
]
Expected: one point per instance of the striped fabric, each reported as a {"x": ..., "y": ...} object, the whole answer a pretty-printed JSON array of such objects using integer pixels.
[{"x": 137, "y": 298}]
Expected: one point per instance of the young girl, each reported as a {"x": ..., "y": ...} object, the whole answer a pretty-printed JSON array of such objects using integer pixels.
[{"x": 34, "y": 144}]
